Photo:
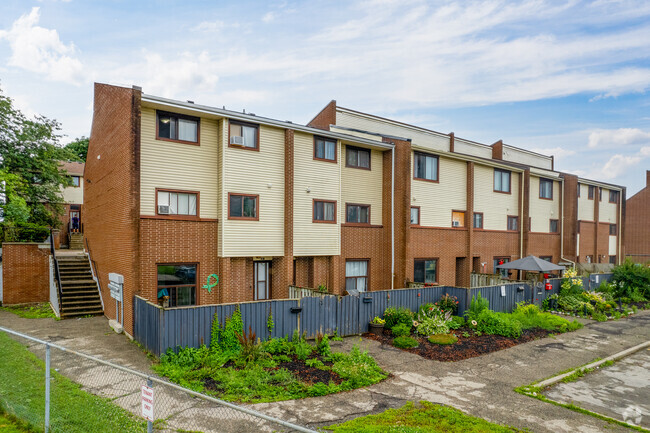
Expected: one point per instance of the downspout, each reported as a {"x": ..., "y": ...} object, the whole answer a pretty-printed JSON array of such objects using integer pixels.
[
  {"x": 562, "y": 229},
  {"x": 521, "y": 212},
  {"x": 392, "y": 219},
  {"x": 619, "y": 256}
]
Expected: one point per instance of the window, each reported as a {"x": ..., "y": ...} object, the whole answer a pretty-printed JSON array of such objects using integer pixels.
[
  {"x": 578, "y": 190},
  {"x": 75, "y": 181},
  {"x": 426, "y": 167},
  {"x": 357, "y": 214},
  {"x": 324, "y": 211},
  {"x": 546, "y": 189},
  {"x": 179, "y": 283},
  {"x": 613, "y": 196},
  {"x": 547, "y": 258},
  {"x": 591, "y": 192},
  {"x": 590, "y": 259},
  {"x": 501, "y": 180},
  {"x": 600, "y": 194},
  {"x": 177, "y": 127},
  {"x": 177, "y": 203},
  {"x": 612, "y": 229},
  {"x": 356, "y": 275},
  {"x": 513, "y": 223},
  {"x": 457, "y": 218},
  {"x": 553, "y": 226},
  {"x": 243, "y": 207},
  {"x": 478, "y": 220},
  {"x": 501, "y": 261},
  {"x": 415, "y": 215},
  {"x": 245, "y": 135},
  {"x": 324, "y": 149},
  {"x": 425, "y": 271},
  {"x": 612, "y": 260},
  {"x": 357, "y": 158}
]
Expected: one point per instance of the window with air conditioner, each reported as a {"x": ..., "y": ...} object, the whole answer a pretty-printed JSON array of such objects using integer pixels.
[
  {"x": 458, "y": 219},
  {"x": 245, "y": 135},
  {"x": 177, "y": 203}
]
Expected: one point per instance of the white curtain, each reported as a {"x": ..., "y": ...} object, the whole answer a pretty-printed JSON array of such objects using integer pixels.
[
  {"x": 250, "y": 136},
  {"x": 356, "y": 268},
  {"x": 192, "y": 207},
  {"x": 330, "y": 150},
  {"x": 431, "y": 168},
  {"x": 328, "y": 211},
  {"x": 187, "y": 130},
  {"x": 364, "y": 159},
  {"x": 163, "y": 198},
  {"x": 173, "y": 203}
]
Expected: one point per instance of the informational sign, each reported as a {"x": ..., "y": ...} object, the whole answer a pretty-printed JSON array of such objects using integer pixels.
[
  {"x": 147, "y": 403},
  {"x": 503, "y": 290},
  {"x": 115, "y": 284}
]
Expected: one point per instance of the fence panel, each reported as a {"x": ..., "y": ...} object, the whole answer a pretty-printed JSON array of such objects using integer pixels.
[
  {"x": 147, "y": 327},
  {"x": 284, "y": 321},
  {"x": 348, "y": 322}
]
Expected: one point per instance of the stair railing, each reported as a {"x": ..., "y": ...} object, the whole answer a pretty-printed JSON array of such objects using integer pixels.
[
  {"x": 93, "y": 269},
  {"x": 56, "y": 269}
]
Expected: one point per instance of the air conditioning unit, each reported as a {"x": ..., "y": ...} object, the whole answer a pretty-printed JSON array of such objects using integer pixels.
[
  {"x": 237, "y": 140},
  {"x": 163, "y": 210},
  {"x": 455, "y": 223}
]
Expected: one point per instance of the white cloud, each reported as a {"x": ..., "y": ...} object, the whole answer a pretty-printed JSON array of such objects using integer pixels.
[
  {"x": 617, "y": 165},
  {"x": 40, "y": 50},
  {"x": 612, "y": 138},
  {"x": 268, "y": 17}
]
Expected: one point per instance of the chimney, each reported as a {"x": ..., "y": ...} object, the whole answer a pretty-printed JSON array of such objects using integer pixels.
[{"x": 647, "y": 178}]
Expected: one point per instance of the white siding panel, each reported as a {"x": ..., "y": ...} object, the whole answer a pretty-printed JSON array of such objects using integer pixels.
[
  {"x": 542, "y": 211},
  {"x": 437, "y": 200},
  {"x": 471, "y": 148},
  {"x": 495, "y": 206},
  {"x": 612, "y": 245},
  {"x": 433, "y": 141},
  {"x": 323, "y": 180},
  {"x": 72, "y": 194},
  {"x": 585, "y": 206},
  {"x": 607, "y": 211},
  {"x": 251, "y": 172},
  {"x": 522, "y": 157},
  {"x": 165, "y": 164},
  {"x": 363, "y": 186}
]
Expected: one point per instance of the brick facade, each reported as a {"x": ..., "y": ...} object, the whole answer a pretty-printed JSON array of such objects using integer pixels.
[
  {"x": 637, "y": 225},
  {"x": 25, "y": 273}
]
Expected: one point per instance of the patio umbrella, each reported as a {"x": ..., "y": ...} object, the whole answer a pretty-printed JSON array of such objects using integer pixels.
[{"x": 531, "y": 263}]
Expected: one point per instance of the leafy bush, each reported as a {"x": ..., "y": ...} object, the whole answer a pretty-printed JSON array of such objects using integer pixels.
[
  {"x": 571, "y": 284},
  {"x": 395, "y": 316},
  {"x": 401, "y": 330},
  {"x": 251, "y": 348},
  {"x": 428, "y": 310},
  {"x": 476, "y": 306},
  {"x": 491, "y": 322},
  {"x": 630, "y": 276},
  {"x": 226, "y": 339},
  {"x": 443, "y": 339},
  {"x": 548, "y": 321},
  {"x": 405, "y": 342},
  {"x": 357, "y": 369},
  {"x": 448, "y": 303},
  {"x": 456, "y": 322},
  {"x": 432, "y": 325},
  {"x": 323, "y": 346},
  {"x": 569, "y": 303},
  {"x": 23, "y": 232}
]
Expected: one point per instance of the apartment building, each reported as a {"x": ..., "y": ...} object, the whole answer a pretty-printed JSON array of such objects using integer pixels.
[
  {"x": 73, "y": 198},
  {"x": 177, "y": 192},
  {"x": 637, "y": 225}
]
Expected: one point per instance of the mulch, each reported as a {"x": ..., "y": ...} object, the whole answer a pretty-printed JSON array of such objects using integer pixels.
[
  {"x": 465, "y": 347},
  {"x": 310, "y": 375}
]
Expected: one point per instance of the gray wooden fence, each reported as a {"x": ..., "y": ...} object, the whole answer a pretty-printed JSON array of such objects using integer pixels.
[{"x": 159, "y": 329}]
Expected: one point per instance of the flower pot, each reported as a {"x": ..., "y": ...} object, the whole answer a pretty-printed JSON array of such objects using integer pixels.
[{"x": 376, "y": 329}]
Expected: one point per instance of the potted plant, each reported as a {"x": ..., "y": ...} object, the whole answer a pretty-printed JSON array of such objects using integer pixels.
[{"x": 377, "y": 325}]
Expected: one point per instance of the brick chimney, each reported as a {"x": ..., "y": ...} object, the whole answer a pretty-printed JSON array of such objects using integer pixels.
[{"x": 647, "y": 178}]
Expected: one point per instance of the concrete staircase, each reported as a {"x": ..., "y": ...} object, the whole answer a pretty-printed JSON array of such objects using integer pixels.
[
  {"x": 76, "y": 241},
  {"x": 80, "y": 294}
]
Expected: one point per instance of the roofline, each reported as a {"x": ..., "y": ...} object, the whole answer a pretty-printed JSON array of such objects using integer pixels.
[
  {"x": 585, "y": 181},
  {"x": 261, "y": 120},
  {"x": 528, "y": 151},
  {"x": 429, "y": 131},
  {"x": 394, "y": 137}
]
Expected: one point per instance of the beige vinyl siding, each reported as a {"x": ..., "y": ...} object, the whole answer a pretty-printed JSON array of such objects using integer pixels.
[
  {"x": 470, "y": 148},
  {"x": 223, "y": 141},
  {"x": 607, "y": 211},
  {"x": 612, "y": 245},
  {"x": 323, "y": 180},
  {"x": 585, "y": 206},
  {"x": 430, "y": 140},
  {"x": 437, "y": 200},
  {"x": 363, "y": 186},
  {"x": 74, "y": 195},
  {"x": 262, "y": 173},
  {"x": 165, "y": 164},
  {"x": 495, "y": 206},
  {"x": 542, "y": 210},
  {"x": 521, "y": 156},
  {"x": 363, "y": 135}
]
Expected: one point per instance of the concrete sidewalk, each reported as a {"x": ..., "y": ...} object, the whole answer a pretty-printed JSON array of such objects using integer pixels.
[{"x": 480, "y": 386}]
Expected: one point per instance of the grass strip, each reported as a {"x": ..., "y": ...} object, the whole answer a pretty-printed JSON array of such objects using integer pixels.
[
  {"x": 31, "y": 311},
  {"x": 22, "y": 395},
  {"x": 424, "y": 417}
]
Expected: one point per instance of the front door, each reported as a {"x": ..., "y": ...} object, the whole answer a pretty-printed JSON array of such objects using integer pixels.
[
  {"x": 262, "y": 280},
  {"x": 73, "y": 214}
]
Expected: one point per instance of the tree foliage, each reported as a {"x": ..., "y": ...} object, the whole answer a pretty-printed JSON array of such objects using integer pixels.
[
  {"x": 29, "y": 167},
  {"x": 76, "y": 150}
]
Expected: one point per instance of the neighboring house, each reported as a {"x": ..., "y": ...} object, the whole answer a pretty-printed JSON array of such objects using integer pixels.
[
  {"x": 73, "y": 197},
  {"x": 637, "y": 224},
  {"x": 176, "y": 192}
]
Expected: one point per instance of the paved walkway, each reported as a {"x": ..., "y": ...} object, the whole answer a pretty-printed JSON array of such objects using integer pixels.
[{"x": 480, "y": 386}]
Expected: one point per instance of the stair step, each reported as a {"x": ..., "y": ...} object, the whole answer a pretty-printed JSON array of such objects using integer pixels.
[
  {"x": 86, "y": 304},
  {"x": 77, "y": 289},
  {"x": 78, "y": 282},
  {"x": 94, "y": 312}
]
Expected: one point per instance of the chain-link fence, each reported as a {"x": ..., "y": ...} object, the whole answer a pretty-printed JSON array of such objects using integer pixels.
[{"x": 56, "y": 389}]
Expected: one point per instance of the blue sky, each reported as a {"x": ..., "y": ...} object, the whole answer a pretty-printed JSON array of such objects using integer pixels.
[{"x": 568, "y": 78}]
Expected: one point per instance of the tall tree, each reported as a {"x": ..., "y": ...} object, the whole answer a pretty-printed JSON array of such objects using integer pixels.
[
  {"x": 78, "y": 148},
  {"x": 29, "y": 167}
]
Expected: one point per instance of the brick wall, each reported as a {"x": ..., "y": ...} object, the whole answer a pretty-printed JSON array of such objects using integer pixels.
[
  {"x": 490, "y": 244},
  {"x": 366, "y": 243},
  {"x": 637, "y": 224},
  {"x": 25, "y": 273},
  {"x": 325, "y": 118},
  {"x": 444, "y": 244},
  {"x": 112, "y": 192},
  {"x": 544, "y": 244}
]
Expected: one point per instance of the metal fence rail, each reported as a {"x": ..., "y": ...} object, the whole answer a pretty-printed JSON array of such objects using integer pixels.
[{"x": 116, "y": 398}]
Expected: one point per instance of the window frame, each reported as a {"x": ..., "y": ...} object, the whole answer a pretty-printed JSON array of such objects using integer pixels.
[
  {"x": 454, "y": 211},
  {"x": 547, "y": 258},
  {"x": 516, "y": 218},
  {"x": 545, "y": 180},
  {"x": 336, "y": 150},
  {"x": 78, "y": 184},
  {"x": 616, "y": 194},
  {"x": 591, "y": 192},
  {"x": 367, "y": 277},
  {"x": 417, "y": 153},
  {"x": 178, "y": 116},
  {"x": 612, "y": 260},
  {"x": 358, "y": 149},
  {"x": 494, "y": 186},
  {"x": 425, "y": 260},
  {"x": 243, "y": 218},
  {"x": 579, "y": 189},
  {"x": 557, "y": 225},
  {"x": 600, "y": 194},
  {"x": 179, "y": 216},
  {"x": 613, "y": 226},
  {"x": 419, "y": 215},
  {"x": 474, "y": 221},
  {"x": 347, "y": 205},
  {"x": 196, "y": 282},
  {"x": 313, "y": 211},
  {"x": 501, "y": 272},
  {"x": 250, "y": 125}
]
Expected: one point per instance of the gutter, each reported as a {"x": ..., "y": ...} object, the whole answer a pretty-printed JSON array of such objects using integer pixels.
[
  {"x": 562, "y": 230},
  {"x": 392, "y": 220}
]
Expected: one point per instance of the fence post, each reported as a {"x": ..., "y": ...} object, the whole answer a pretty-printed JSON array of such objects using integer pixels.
[
  {"x": 149, "y": 423},
  {"x": 47, "y": 388}
]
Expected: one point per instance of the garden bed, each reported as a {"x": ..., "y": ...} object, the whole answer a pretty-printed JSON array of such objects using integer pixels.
[{"x": 466, "y": 347}]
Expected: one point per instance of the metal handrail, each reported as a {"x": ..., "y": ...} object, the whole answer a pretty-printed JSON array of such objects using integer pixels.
[
  {"x": 56, "y": 268},
  {"x": 93, "y": 267}
]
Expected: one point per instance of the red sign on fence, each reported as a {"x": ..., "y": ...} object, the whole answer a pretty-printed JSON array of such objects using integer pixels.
[{"x": 147, "y": 403}]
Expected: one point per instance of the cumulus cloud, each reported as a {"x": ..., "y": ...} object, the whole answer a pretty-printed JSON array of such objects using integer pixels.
[
  {"x": 40, "y": 50},
  {"x": 618, "y": 165},
  {"x": 612, "y": 138},
  {"x": 268, "y": 17}
]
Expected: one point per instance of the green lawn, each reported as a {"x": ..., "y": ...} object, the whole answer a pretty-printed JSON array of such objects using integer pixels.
[
  {"x": 32, "y": 311},
  {"x": 22, "y": 386},
  {"x": 10, "y": 426},
  {"x": 424, "y": 417}
]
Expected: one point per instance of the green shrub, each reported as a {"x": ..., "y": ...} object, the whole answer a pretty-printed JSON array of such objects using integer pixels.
[
  {"x": 448, "y": 303},
  {"x": 323, "y": 346},
  {"x": 630, "y": 276},
  {"x": 394, "y": 316},
  {"x": 23, "y": 232},
  {"x": 476, "y": 306},
  {"x": 405, "y": 342},
  {"x": 428, "y": 310},
  {"x": 571, "y": 283},
  {"x": 491, "y": 322},
  {"x": 569, "y": 303},
  {"x": 401, "y": 330},
  {"x": 547, "y": 321},
  {"x": 443, "y": 339},
  {"x": 432, "y": 325},
  {"x": 456, "y": 322}
]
